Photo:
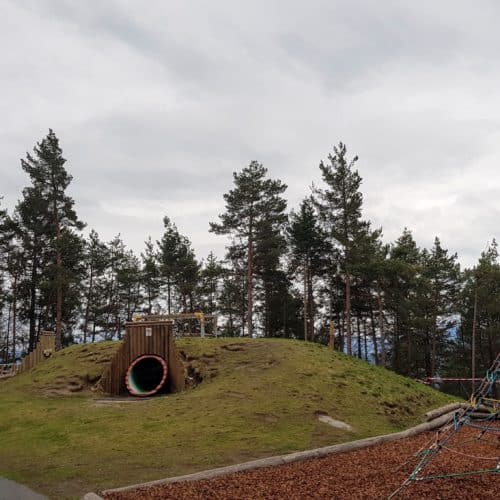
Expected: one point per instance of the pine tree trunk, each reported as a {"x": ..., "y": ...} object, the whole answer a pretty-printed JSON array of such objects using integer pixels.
[
  {"x": 310, "y": 301},
  {"x": 87, "y": 307},
  {"x": 473, "y": 345},
  {"x": 267, "y": 327},
  {"x": 59, "y": 294},
  {"x": 306, "y": 295},
  {"x": 364, "y": 339},
  {"x": 374, "y": 335},
  {"x": 169, "y": 297},
  {"x": 491, "y": 352},
  {"x": 8, "y": 333},
  {"x": 395, "y": 363},
  {"x": 250, "y": 283},
  {"x": 348, "y": 313},
  {"x": 433, "y": 348},
  {"x": 360, "y": 356},
  {"x": 14, "y": 318},
  {"x": 32, "y": 306},
  {"x": 381, "y": 325},
  {"x": 342, "y": 332},
  {"x": 427, "y": 353},
  {"x": 409, "y": 347}
]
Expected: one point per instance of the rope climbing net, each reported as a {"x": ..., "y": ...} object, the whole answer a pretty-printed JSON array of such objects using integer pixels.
[{"x": 471, "y": 436}]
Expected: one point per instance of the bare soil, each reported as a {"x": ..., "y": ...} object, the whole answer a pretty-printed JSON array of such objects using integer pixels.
[{"x": 373, "y": 472}]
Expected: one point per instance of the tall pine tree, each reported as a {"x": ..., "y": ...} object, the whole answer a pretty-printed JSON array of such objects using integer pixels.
[
  {"x": 309, "y": 248},
  {"x": 254, "y": 201},
  {"x": 48, "y": 221},
  {"x": 340, "y": 210}
]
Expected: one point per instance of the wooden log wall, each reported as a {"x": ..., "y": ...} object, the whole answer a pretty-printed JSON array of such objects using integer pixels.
[
  {"x": 144, "y": 337},
  {"x": 45, "y": 347}
]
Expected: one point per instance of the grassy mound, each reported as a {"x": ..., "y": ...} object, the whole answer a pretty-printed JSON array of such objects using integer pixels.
[{"x": 256, "y": 398}]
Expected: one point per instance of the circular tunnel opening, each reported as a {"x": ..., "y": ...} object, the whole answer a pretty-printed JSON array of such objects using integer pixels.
[{"x": 146, "y": 375}]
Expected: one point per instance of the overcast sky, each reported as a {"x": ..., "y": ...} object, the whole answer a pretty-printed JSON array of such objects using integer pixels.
[{"x": 156, "y": 103}]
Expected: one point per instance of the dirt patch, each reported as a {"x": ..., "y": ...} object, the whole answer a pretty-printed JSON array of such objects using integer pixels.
[
  {"x": 193, "y": 376},
  {"x": 199, "y": 368},
  {"x": 66, "y": 386}
]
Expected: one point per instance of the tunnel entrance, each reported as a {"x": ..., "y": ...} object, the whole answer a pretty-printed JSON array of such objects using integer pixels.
[{"x": 146, "y": 375}]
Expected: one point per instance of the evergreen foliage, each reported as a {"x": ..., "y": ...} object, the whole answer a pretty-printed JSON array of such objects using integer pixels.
[
  {"x": 295, "y": 275},
  {"x": 254, "y": 218}
]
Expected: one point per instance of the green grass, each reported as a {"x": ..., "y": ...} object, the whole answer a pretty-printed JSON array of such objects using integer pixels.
[{"x": 259, "y": 400}]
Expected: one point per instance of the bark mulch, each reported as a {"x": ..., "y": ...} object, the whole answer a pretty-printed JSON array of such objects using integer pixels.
[{"x": 373, "y": 472}]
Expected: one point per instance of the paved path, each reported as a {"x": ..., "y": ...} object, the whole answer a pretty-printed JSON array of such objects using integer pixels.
[{"x": 9, "y": 490}]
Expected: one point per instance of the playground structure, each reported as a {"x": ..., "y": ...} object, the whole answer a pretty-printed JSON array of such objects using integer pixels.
[
  {"x": 147, "y": 362},
  {"x": 182, "y": 323},
  {"x": 482, "y": 415}
]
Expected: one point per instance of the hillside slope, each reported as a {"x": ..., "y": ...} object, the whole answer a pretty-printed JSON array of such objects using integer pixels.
[{"x": 256, "y": 398}]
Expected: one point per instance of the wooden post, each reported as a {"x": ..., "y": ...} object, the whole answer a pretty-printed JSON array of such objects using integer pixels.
[{"x": 473, "y": 361}]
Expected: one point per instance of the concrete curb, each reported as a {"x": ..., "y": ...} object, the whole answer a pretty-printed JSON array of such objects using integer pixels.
[{"x": 286, "y": 459}]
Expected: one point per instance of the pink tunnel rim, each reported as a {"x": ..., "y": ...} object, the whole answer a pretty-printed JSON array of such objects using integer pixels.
[{"x": 137, "y": 360}]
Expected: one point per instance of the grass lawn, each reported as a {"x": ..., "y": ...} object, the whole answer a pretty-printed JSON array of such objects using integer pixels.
[{"x": 258, "y": 398}]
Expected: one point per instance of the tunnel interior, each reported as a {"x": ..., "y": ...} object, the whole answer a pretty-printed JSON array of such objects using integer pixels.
[{"x": 146, "y": 375}]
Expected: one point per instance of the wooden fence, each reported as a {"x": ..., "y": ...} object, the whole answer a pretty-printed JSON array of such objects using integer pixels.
[
  {"x": 45, "y": 347},
  {"x": 144, "y": 337}
]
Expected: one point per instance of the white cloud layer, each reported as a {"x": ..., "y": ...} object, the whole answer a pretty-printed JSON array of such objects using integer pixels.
[{"x": 157, "y": 103}]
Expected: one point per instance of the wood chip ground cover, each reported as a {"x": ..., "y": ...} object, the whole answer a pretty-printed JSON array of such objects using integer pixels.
[{"x": 373, "y": 472}]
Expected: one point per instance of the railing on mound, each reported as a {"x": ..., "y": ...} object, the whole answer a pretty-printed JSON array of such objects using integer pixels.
[{"x": 183, "y": 323}]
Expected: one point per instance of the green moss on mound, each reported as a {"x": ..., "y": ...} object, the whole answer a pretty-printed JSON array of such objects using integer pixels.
[{"x": 256, "y": 398}]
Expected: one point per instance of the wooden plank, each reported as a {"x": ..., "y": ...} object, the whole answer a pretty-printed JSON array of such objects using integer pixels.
[{"x": 136, "y": 343}]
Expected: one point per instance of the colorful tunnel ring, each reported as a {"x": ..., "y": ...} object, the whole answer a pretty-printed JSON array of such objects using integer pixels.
[{"x": 146, "y": 375}]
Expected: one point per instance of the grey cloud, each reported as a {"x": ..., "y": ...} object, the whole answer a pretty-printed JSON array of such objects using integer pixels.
[{"x": 157, "y": 105}]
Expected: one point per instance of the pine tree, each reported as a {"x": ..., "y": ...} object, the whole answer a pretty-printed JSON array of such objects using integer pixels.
[
  {"x": 368, "y": 276},
  {"x": 187, "y": 275},
  {"x": 254, "y": 201},
  {"x": 7, "y": 293},
  {"x": 95, "y": 261},
  {"x": 442, "y": 278},
  {"x": 150, "y": 274},
  {"x": 232, "y": 300},
  {"x": 110, "y": 321},
  {"x": 404, "y": 270},
  {"x": 211, "y": 276},
  {"x": 309, "y": 249},
  {"x": 168, "y": 257},
  {"x": 47, "y": 217},
  {"x": 128, "y": 287},
  {"x": 480, "y": 317},
  {"x": 340, "y": 210},
  {"x": 31, "y": 234}
]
